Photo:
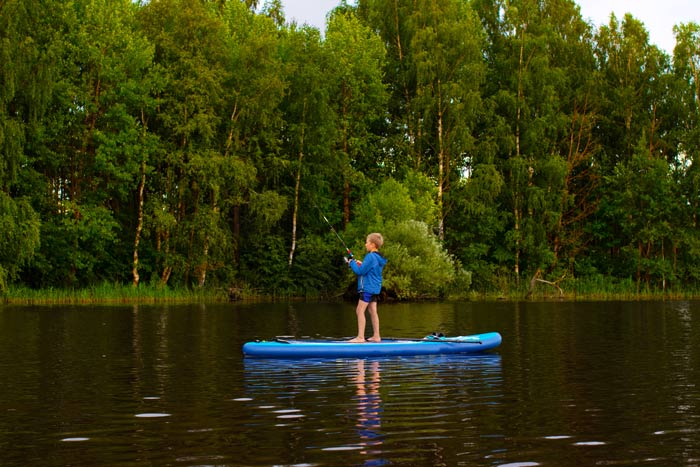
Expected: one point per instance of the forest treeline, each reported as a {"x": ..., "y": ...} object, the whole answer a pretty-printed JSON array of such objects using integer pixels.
[{"x": 205, "y": 143}]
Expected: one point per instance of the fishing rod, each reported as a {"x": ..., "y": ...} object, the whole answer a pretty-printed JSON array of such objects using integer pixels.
[
  {"x": 333, "y": 229},
  {"x": 351, "y": 256}
]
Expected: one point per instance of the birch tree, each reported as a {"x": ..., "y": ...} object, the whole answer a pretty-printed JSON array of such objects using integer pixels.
[
  {"x": 309, "y": 123},
  {"x": 541, "y": 86},
  {"x": 634, "y": 229},
  {"x": 23, "y": 93},
  {"x": 447, "y": 52},
  {"x": 358, "y": 96},
  {"x": 191, "y": 61},
  {"x": 251, "y": 142}
]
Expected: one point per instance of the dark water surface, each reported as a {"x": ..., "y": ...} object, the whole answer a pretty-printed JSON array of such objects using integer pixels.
[{"x": 572, "y": 384}]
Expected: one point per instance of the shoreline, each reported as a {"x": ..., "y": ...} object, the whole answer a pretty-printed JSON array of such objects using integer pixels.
[{"x": 127, "y": 295}]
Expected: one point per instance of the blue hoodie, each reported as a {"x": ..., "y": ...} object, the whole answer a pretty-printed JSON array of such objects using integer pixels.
[{"x": 369, "y": 273}]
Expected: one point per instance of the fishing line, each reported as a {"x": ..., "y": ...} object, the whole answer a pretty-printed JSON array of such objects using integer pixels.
[
  {"x": 333, "y": 230},
  {"x": 329, "y": 223}
]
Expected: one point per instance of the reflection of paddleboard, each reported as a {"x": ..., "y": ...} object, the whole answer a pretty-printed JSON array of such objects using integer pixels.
[{"x": 430, "y": 345}]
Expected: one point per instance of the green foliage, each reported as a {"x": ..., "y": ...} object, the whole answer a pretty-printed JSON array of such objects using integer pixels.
[
  {"x": 318, "y": 268},
  {"x": 489, "y": 141},
  {"x": 264, "y": 265},
  {"x": 395, "y": 201},
  {"x": 418, "y": 265},
  {"x": 643, "y": 210},
  {"x": 76, "y": 247},
  {"x": 421, "y": 191},
  {"x": 476, "y": 235},
  {"x": 19, "y": 236},
  {"x": 267, "y": 208},
  {"x": 389, "y": 203}
]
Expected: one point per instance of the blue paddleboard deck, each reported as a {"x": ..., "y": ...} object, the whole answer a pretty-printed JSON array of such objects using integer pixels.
[{"x": 431, "y": 345}]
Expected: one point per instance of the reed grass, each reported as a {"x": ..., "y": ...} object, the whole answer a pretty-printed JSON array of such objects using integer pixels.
[
  {"x": 585, "y": 289},
  {"x": 591, "y": 288},
  {"x": 598, "y": 288},
  {"x": 114, "y": 293}
]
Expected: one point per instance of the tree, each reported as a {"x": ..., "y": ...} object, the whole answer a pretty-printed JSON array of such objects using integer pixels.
[
  {"x": 446, "y": 52},
  {"x": 631, "y": 128},
  {"x": 309, "y": 124},
  {"x": 685, "y": 115},
  {"x": 357, "y": 93},
  {"x": 630, "y": 69},
  {"x": 252, "y": 144},
  {"x": 419, "y": 266},
  {"x": 390, "y": 20},
  {"x": 19, "y": 237},
  {"x": 183, "y": 205},
  {"x": 644, "y": 203},
  {"x": 541, "y": 88},
  {"x": 434, "y": 70},
  {"x": 83, "y": 144},
  {"x": 23, "y": 91}
]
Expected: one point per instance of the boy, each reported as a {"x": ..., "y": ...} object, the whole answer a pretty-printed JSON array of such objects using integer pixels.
[{"x": 369, "y": 285}]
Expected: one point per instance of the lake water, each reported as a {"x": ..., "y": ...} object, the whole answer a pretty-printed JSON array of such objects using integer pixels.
[{"x": 599, "y": 383}]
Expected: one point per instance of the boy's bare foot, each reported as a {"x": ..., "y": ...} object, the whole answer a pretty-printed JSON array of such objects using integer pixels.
[
  {"x": 357, "y": 340},
  {"x": 374, "y": 339}
]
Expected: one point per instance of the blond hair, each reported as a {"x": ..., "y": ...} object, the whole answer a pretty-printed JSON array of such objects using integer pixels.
[{"x": 376, "y": 238}]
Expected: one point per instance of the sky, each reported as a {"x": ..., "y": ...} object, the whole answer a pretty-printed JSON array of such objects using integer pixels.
[{"x": 658, "y": 16}]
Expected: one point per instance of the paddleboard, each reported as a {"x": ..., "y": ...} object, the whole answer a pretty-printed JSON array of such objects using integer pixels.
[{"x": 430, "y": 345}]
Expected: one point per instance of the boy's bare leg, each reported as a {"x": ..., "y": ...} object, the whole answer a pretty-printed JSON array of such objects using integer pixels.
[
  {"x": 374, "y": 317},
  {"x": 361, "y": 321}
]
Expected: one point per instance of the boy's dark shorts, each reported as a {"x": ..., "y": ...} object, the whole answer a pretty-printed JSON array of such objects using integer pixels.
[{"x": 368, "y": 297}]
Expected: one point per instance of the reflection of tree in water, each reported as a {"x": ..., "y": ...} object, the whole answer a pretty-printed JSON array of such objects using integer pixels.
[{"x": 369, "y": 410}]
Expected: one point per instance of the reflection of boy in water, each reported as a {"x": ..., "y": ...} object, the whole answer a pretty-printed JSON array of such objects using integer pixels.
[{"x": 369, "y": 409}]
